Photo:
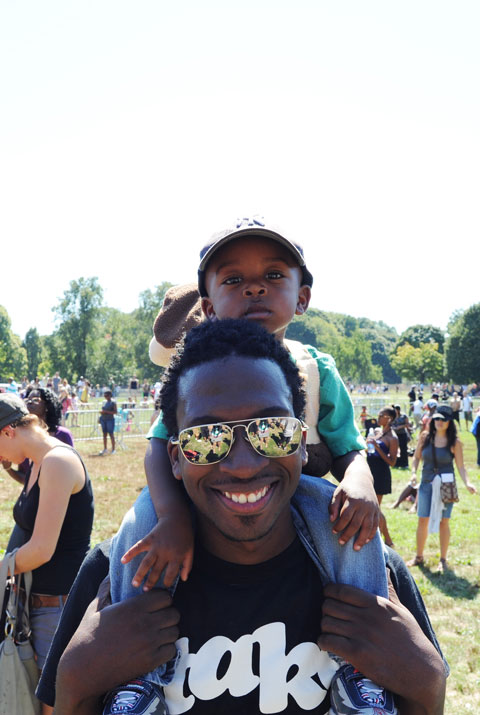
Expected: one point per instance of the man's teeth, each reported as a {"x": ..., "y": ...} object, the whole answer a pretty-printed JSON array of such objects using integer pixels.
[{"x": 243, "y": 498}]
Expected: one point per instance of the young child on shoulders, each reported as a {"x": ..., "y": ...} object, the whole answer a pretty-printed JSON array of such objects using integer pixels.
[{"x": 256, "y": 273}]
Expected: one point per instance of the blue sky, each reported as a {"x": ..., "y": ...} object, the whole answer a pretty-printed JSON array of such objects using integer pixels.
[{"x": 129, "y": 132}]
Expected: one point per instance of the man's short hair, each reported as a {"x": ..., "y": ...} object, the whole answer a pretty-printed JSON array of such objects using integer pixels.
[{"x": 220, "y": 339}]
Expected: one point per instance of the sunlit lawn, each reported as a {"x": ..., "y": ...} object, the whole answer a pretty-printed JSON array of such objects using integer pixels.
[{"x": 452, "y": 599}]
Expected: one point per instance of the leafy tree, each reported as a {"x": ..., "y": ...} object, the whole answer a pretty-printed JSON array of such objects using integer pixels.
[
  {"x": 418, "y": 334},
  {"x": 432, "y": 363},
  {"x": 354, "y": 359},
  {"x": 78, "y": 312},
  {"x": 406, "y": 361},
  {"x": 13, "y": 357},
  {"x": 421, "y": 364},
  {"x": 34, "y": 349},
  {"x": 112, "y": 355},
  {"x": 463, "y": 346},
  {"x": 313, "y": 329}
]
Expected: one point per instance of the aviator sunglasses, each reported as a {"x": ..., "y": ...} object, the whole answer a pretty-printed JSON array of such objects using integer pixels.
[{"x": 271, "y": 437}]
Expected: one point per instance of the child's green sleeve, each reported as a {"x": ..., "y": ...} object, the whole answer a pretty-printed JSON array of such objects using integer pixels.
[
  {"x": 158, "y": 429},
  {"x": 336, "y": 418}
]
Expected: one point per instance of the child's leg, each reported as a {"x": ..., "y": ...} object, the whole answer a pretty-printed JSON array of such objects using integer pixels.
[{"x": 136, "y": 524}]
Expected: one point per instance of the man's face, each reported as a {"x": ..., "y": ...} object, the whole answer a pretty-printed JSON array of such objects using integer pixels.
[
  {"x": 257, "y": 279},
  {"x": 238, "y": 388}
]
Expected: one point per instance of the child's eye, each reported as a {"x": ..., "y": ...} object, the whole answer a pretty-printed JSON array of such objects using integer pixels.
[
  {"x": 232, "y": 280},
  {"x": 274, "y": 275}
]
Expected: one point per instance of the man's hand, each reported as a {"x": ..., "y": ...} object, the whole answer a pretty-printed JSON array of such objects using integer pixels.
[
  {"x": 113, "y": 646},
  {"x": 169, "y": 546},
  {"x": 383, "y": 641},
  {"x": 354, "y": 505}
]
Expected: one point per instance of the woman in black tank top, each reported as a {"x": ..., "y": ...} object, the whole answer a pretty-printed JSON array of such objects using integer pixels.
[{"x": 55, "y": 509}]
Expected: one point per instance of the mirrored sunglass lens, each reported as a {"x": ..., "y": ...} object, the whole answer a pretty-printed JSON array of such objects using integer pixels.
[
  {"x": 206, "y": 444},
  {"x": 275, "y": 437}
]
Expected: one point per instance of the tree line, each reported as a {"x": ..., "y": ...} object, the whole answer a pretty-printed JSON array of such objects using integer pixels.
[{"x": 102, "y": 343}]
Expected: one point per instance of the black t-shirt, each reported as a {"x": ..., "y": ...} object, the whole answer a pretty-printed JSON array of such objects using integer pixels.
[
  {"x": 248, "y": 637},
  {"x": 95, "y": 568}
]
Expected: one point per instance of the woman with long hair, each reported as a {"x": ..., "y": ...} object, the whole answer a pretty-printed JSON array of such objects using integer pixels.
[
  {"x": 54, "y": 509},
  {"x": 439, "y": 448},
  {"x": 381, "y": 455}
]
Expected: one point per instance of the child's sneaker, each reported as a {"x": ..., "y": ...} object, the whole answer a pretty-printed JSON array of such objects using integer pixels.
[
  {"x": 138, "y": 697},
  {"x": 351, "y": 693}
]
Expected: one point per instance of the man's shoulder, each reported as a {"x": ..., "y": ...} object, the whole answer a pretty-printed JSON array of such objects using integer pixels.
[{"x": 310, "y": 488}]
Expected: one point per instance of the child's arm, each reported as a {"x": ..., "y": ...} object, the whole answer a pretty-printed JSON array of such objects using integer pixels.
[
  {"x": 354, "y": 502},
  {"x": 169, "y": 545}
]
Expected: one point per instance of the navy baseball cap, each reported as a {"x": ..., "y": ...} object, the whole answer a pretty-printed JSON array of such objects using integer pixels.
[
  {"x": 255, "y": 226},
  {"x": 444, "y": 412}
]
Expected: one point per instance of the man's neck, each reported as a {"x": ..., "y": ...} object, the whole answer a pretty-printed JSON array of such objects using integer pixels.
[{"x": 250, "y": 552}]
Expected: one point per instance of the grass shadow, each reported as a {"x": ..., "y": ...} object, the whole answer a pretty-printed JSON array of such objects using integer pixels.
[{"x": 450, "y": 584}]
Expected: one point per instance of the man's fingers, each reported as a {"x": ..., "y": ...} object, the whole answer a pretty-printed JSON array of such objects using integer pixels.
[
  {"x": 335, "y": 644},
  {"x": 348, "y": 594},
  {"x": 155, "y": 600}
]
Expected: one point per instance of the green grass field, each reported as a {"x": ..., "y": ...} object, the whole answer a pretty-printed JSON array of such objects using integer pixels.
[{"x": 452, "y": 599}]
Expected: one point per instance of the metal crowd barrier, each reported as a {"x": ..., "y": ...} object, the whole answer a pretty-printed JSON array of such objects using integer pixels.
[{"x": 129, "y": 422}]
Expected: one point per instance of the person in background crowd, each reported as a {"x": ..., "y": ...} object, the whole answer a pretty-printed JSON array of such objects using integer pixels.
[
  {"x": 56, "y": 382},
  {"x": 402, "y": 427},
  {"x": 107, "y": 421},
  {"x": 11, "y": 386},
  {"x": 456, "y": 404},
  {"x": 363, "y": 416},
  {"x": 74, "y": 409},
  {"x": 417, "y": 411},
  {"x": 412, "y": 396},
  {"x": 476, "y": 433},
  {"x": 467, "y": 405},
  {"x": 439, "y": 448},
  {"x": 133, "y": 387},
  {"x": 65, "y": 401},
  {"x": 430, "y": 409},
  {"x": 54, "y": 510},
  {"x": 84, "y": 395},
  {"x": 384, "y": 456}
]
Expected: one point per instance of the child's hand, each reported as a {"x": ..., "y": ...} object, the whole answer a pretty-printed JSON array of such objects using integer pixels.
[
  {"x": 169, "y": 546},
  {"x": 354, "y": 504}
]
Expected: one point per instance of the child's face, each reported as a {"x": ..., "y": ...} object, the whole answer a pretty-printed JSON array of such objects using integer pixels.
[{"x": 257, "y": 279}]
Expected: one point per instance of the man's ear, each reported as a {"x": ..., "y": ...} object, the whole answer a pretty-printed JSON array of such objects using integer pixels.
[
  {"x": 208, "y": 309},
  {"x": 304, "y": 295},
  {"x": 173, "y": 452}
]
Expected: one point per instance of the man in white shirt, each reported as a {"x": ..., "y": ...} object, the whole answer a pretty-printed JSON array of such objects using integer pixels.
[{"x": 467, "y": 404}]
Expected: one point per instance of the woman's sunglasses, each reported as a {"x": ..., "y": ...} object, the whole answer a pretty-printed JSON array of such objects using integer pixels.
[{"x": 271, "y": 437}]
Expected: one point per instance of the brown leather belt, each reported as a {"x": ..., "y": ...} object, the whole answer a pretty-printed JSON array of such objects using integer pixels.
[{"x": 38, "y": 600}]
